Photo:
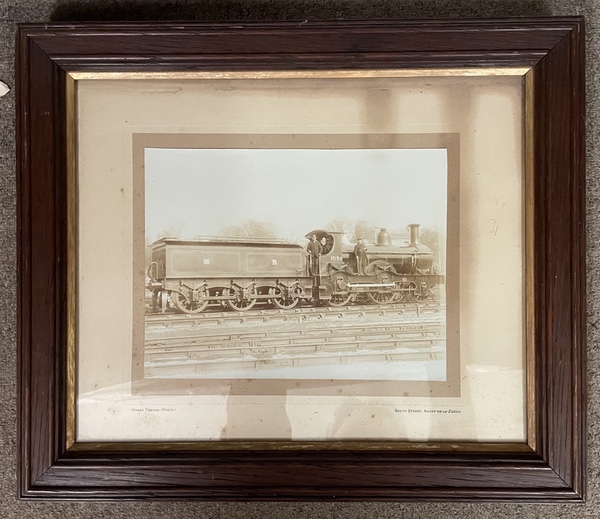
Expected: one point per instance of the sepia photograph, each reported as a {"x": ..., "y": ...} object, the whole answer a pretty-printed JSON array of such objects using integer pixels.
[{"x": 309, "y": 264}]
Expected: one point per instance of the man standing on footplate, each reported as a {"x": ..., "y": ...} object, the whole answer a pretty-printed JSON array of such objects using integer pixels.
[{"x": 315, "y": 249}]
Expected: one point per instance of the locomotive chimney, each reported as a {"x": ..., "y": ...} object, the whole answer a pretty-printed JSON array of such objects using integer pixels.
[
  {"x": 383, "y": 237},
  {"x": 415, "y": 238}
]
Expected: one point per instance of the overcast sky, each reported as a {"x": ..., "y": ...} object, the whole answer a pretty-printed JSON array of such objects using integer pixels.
[{"x": 201, "y": 191}]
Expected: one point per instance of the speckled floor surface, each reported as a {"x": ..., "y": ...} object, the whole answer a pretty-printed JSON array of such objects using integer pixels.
[{"x": 16, "y": 11}]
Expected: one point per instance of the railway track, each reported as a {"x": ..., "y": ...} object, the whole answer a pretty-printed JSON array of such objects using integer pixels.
[
  {"x": 296, "y": 314},
  {"x": 259, "y": 350},
  {"x": 193, "y": 368}
]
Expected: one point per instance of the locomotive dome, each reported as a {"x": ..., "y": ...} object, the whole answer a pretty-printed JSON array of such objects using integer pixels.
[{"x": 383, "y": 237}]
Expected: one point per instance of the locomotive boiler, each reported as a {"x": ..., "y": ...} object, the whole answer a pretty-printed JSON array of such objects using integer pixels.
[
  {"x": 192, "y": 275},
  {"x": 393, "y": 273}
]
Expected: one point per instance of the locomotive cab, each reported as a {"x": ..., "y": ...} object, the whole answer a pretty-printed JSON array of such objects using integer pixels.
[
  {"x": 331, "y": 253},
  {"x": 331, "y": 283}
]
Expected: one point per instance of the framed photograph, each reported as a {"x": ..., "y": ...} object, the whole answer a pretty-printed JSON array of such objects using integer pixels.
[{"x": 291, "y": 261}]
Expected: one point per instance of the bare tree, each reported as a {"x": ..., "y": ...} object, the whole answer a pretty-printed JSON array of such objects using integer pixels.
[
  {"x": 342, "y": 224},
  {"x": 173, "y": 231},
  {"x": 436, "y": 241},
  {"x": 250, "y": 229},
  {"x": 364, "y": 230},
  {"x": 353, "y": 229}
]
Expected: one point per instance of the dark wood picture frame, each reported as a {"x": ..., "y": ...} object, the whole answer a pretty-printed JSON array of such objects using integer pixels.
[{"x": 553, "y": 468}]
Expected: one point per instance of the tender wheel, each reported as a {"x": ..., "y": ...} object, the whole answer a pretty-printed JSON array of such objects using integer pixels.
[
  {"x": 185, "y": 305},
  {"x": 283, "y": 299},
  {"x": 238, "y": 302}
]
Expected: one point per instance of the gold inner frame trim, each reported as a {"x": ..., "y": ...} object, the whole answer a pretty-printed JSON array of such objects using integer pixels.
[
  {"x": 71, "y": 173},
  {"x": 301, "y": 74},
  {"x": 528, "y": 200},
  {"x": 337, "y": 445},
  {"x": 440, "y": 446}
]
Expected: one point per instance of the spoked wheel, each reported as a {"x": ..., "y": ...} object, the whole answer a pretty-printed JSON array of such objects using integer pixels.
[
  {"x": 422, "y": 296},
  {"x": 340, "y": 296},
  {"x": 238, "y": 302},
  {"x": 383, "y": 295},
  {"x": 161, "y": 301},
  {"x": 340, "y": 299},
  {"x": 410, "y": 293},
  {"x": 382, "y": 271},
  {"x": 283, "y": 299},
  {"x": 186, "y": 305}
]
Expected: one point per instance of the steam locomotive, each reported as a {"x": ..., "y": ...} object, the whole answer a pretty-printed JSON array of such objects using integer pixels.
[{"x": 239, "y": 274}]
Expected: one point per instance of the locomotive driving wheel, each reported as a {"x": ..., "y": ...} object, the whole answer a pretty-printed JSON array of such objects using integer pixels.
[
  {"x": 239, "y": 302},
  {"x": 382, "y": 297},
  {"x": 383, "y": 275},
  {"x": 186, "y": 304},
  {"x": 340, "y": 299},
  {"x": 340, "y": 295}
]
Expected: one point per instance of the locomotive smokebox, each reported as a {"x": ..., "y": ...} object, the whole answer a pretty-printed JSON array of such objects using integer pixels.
[{"x": 415, "y": 235}]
